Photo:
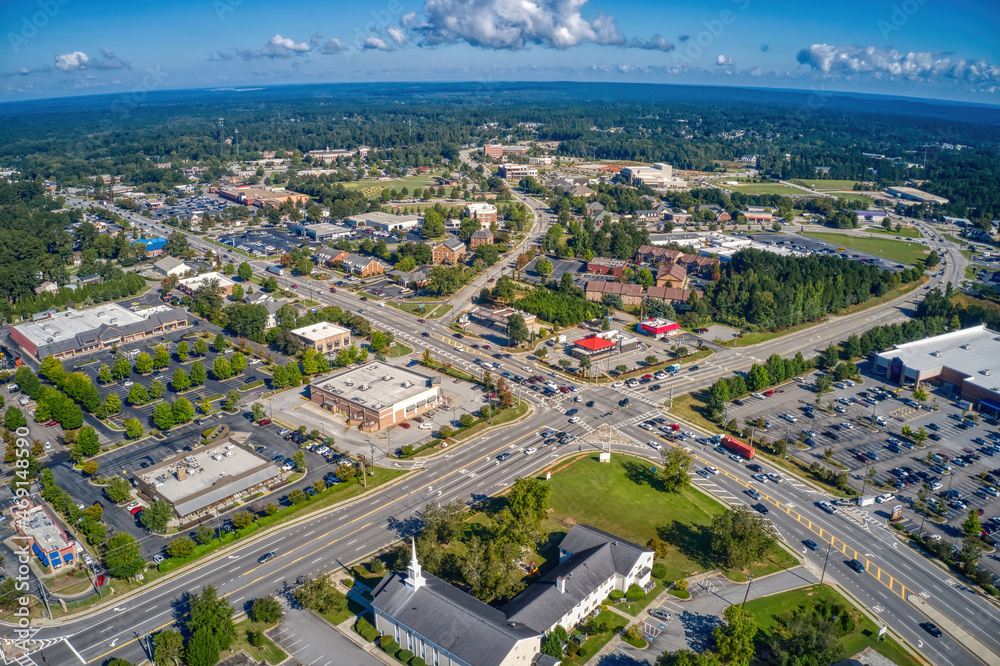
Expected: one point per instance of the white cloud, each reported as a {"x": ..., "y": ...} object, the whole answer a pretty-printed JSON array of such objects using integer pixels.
[
  {"x": 723, "y": 60},
  {"x": 333, "y": 46},
  {"x": 847, "y": 61},
  {"x": 376, "y": 43},
  {"x": 397, "y": 35},
  {"x": 280, "y": 47},
  {"x": 68, "y": 62},
  {"x": 516, "y": 24},
  {"x": 408, "y": 19}
]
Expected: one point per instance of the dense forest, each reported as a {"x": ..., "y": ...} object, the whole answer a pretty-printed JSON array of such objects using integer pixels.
[{"x": 415, "y": 125}]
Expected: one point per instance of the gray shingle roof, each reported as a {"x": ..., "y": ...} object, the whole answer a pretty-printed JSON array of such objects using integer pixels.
[
  {"x": 454, "y": 244},
  {"x": 457, "y": 622}
]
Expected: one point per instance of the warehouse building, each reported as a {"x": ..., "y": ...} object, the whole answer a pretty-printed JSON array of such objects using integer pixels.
[
  {"x": 321, "y": 232},
  {"x": 376, "y": 395},
  {"x": 966, "y": 362},
  {"x": 384, "y": 221},
  {"x": 46, "y": 538},
  {"x": 196, "y": 484},
  {"x": 74, "y": 332},
  {"x": 913, "y": 194}
]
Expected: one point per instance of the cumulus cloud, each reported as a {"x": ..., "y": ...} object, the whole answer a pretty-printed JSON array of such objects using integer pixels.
[
  {"x": 722, "y": 60},
  {"x": 656, "y": 43},
  {"x": 109, "y": 60},
  {"x": 501, "y": 24},
  {"x": 845, "y": 61},
  {"x": 333, "y": 45},
  {"x": 376, "y": 43},
  {"x": 71, "y": 61},
  {"x": 280, "y": 47},
  {"x": 397, "y": 35}
]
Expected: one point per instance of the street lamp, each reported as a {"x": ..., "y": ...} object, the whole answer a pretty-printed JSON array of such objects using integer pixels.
[{"x": 749, "y": 583}]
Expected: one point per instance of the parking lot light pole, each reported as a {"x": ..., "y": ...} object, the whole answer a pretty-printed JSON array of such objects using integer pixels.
[{"x": 749, "y": 583}]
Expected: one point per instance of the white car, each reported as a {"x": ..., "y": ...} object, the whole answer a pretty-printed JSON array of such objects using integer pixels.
[
  {"x": 425, "y": 426},
  {"x": 618, "y": 385},
  {"x": 759, "y": 396},
  {"x": 645, "y": 426},
  {"x": 711, "y": 470},
  {"x": 529, "y": 451},
  {"x": 575, "y": 419},
  {"x": 128, "y": 384},
  {"x": 655, "y": 445}
]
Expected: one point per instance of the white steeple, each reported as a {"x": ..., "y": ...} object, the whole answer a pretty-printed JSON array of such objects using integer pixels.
[{"x": 414, "y": 577}]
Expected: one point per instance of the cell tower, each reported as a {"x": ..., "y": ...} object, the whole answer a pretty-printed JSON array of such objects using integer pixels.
[{"x": 221, "y": 137}]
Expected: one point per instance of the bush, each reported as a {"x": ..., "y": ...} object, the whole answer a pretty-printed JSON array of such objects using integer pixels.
[
  {"x": 417, "y": 661},
  {"x": 634, "y": 593},
  {"x": 659, "y": 571},
  {"x": 392, "y": 647},
  {"x": 616, "y": 595},
  {"x": 681, "y": 585},
  {"x": 383, "y": 642},
  {"x": 366, "y": 629},
  {"x": 404, "y": 656}
]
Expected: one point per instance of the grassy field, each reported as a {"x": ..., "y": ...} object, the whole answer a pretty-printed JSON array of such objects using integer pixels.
[
  {"x": 767, "y": 610},
  {"x": 399, "y": 349},
  {"x": 825, "y": 185},
  {"x": 905, "y": 232},
  {"x": 620, "y": 497},
  {"x": 763, "y": 336},
  {"x": 765, "y": 188},
  {"x": 271, "y": 652},
  {"x": 903, "y": 252},
  {"x": 397, "y": 184},
  {"x": 691, "y": 407}
]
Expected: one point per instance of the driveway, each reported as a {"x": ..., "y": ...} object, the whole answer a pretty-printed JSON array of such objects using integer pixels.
[{"x": 314, "y": 643}]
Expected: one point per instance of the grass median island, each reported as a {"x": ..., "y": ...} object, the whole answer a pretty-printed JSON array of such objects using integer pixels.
[
  {"x": 905, "y": 232},
  {"x": 767, "y": 612},
  {"x": 903, "y": 252},
  {"x": 270, "y": 653},
  {"x": 620, "y": 497}
]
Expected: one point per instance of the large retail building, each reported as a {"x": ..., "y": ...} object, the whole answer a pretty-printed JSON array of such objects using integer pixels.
[{"x": 966, "y": 361}]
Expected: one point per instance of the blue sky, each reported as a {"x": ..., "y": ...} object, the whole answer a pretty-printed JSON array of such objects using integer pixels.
[{"x": 918, "y": 48}]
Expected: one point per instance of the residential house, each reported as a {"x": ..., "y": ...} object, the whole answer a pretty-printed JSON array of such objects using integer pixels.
[
  {"x": 581, "y": 191},
  {"x": 631, "y": 294},
  {"x": 451, "y": 251},
  {"x": 363, "y": 266},
  {"x": 47, "y": 288},
  {"x": 172, "y": 266},
  {"x": 329, "y": 256},
  {"x": 675, "y": 296},
  {"x": 698, "y": 264},
  {"x": 654, "y": 254},
  {"x": 415, "y": 279},
  {"x": 595, "y": 207},
  {"x": 154, "y": 246},
  {"x": 481, "y": 237},
  {"x": 651, "y": 215},
  {"x": 259, "y": 297}
]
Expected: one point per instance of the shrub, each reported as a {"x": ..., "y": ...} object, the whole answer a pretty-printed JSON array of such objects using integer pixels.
[
  {"x": 404, "y": 656},
  {"x": 616, "y": 595},
  {"x": 634, "y": 593},
  {"x": 383, "y": 642},
  {"x": 659, "y": 571},
  {"x": 417, "y": 661},
  {"x": 366, "y": 629},
  {"x": 392, "y": 647},
  {"x": 681, "y": 584}
]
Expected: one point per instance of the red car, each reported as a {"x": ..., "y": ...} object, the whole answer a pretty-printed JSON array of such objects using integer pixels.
[
  {"x": 51, "y": 423},
  {"x": 768, "y": 393},
  {"x": 404, "y": 425},
  {"x": 674, "y": 426},
  {"x": 136, "y": 510},
  {"x": 422, "y": 321},
  {"x": 265, "y": 421},
  {"x": 647, "y": 376},
  {"x": 101, "y": 580},
  {"x": 295, "y": 286},
  {"x": 333, "y": 290}
]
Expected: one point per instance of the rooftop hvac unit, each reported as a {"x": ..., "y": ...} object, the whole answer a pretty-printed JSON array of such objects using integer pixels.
[
  {"x": 986, "y": 372},
  {"x": 364, "y": 387},
  {"x": 936, "y": 354},
  {"x": 967, "y": 347},
  {"x": 387, "y": 378}
]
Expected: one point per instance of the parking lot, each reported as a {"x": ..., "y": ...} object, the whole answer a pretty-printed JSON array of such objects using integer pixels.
[
  {"x": 184, "y": 207},
  {"x": 900, "y": 466},
  {"x": 811, "y": 245},
  {"x": 262, "y": 242}
]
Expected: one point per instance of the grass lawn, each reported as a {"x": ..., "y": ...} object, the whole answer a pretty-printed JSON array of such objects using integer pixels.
[
  {"x": 440, "y": 311},
  {"x": 966, "y": 300},
  {"x": 971, "y": 270},
  {"x": 419, "y": 309},
  {"x": 900, "y": 251},
  {"x": 767, "y": 610},
  {"x": 765, "y": 188},
  {"x": 594, "y": 644},
  {"x": 763, "y": 336},
  {"x": 637, "y": 607},
  {"x": 399, "y": 349},
  {"x": 410, "y": 182},
  {"x": 825, "y": 185},
  {"x": 905, "y": 232},
  {"x": 618, "y": 497},
  {"x": 691, "y": 408},
  {"x": 271, "y": 652}
]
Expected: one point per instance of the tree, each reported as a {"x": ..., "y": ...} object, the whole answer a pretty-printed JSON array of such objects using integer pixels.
[
  {"x": 202, "y": 649},
  {"x": 823, "y": 384},
  {"x": 161, "y": 357},
  {"x": 543, "y": 267},
  {"x": 183, "y": 351},
  {"x": 320, "y": 595},
  {"x": 718, "y": 396},
  {"x": 156, "y": 516},
  {"x": 232, "y": 397},
  {"x": 244, "y": 271},
  {"x": 266, "y": 610},
  {"x": 299, "y": 458},
  {"x": 829, "y": 357},
  {"x": 517, "y": 330},
  {"x": 221, "y": 368},
  {"x": 198, "y": 373},
  {"x": 112, "y": 404},
  {"x": 757, "y": 378},
  {"x": 740, "y": 536},
  {"x": 121, "y": 368},
  {"x": 200, "y": 347},
  {"x": 14, "y": 419},
  {"x": 208, "y": 612},
  {"x": 163, "y": 416},
  {"x": 972, "y": 544},
  {"x": 180, "y": 380},
  {"x": 87, "y": 442},
  {"x": 143, "y": 363},
  {"x": 528, "y": 500},
  {"x": 168, "y": 646},
  {"x": 183, "y": 410},
  {"x": 258, "y": 411},
  {"x": 220, "y": 344},
  {"x": 552, "y": 646},
  {"x": 238, "y": 362},
  {"x": 118, "y": 489},
  {"x": 932, "y": 260},
  {"x": 675, "y": 475},
  {"x": 734, "y": 641},
  {"x": 123, "y": 556},
  {"x": 180, "y": 547},
  {"x": 104, "y": 374},
  {"x": 920, "y": 394},
  {"x": 137, "y": 395},
  {"x": 646, "y": 278},
  {"x": 133, "y": 428}
]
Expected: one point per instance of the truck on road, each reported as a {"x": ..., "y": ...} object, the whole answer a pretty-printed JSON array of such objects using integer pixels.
[
  {"x": 676, "y": 367},
  {"x": 736, "y": 446},
  {"x": 277, "y": 270}
]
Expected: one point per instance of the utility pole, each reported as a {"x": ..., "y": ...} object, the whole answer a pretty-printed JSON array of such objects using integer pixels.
[
  {"x": 749, "y": 583},
  {"x": 823, "y": 575}
]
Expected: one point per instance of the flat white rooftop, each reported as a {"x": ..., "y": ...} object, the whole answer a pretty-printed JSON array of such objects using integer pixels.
[
  {"x": 65, "y": 325},
  {"x": 320, "y": 331},
  {"x": 376, "y": 385},
  {"x": 971, "y": 351}
]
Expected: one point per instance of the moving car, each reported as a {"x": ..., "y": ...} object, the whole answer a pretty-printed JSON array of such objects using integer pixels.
[
  {"x": 810, "y": 544},
  {"x": 266, "y": 557}
]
